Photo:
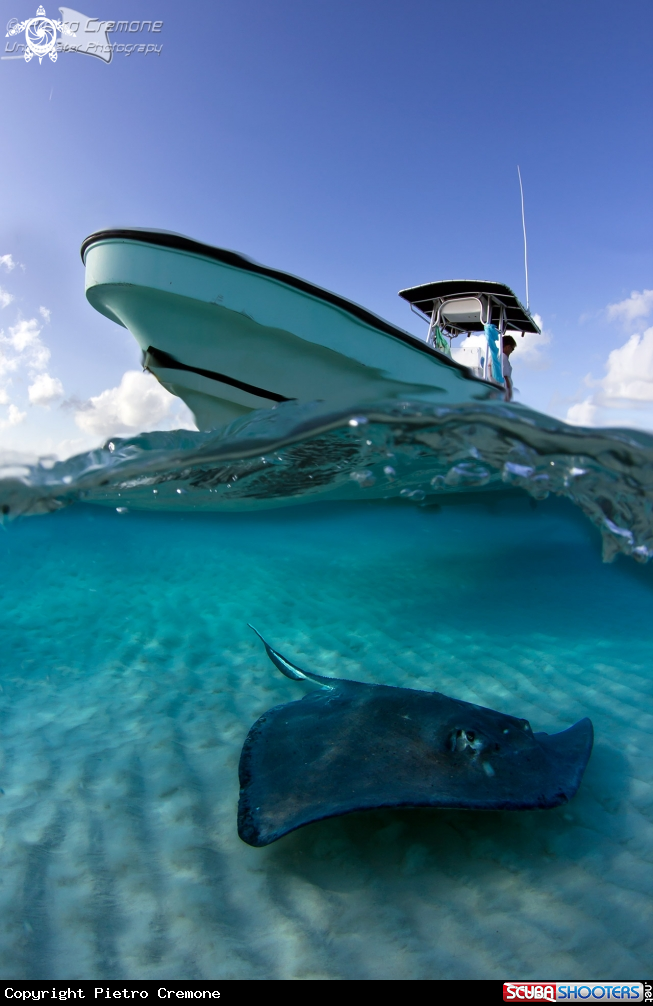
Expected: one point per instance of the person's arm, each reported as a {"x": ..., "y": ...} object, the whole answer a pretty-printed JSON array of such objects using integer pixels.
[{"x": 508, "y": 383}]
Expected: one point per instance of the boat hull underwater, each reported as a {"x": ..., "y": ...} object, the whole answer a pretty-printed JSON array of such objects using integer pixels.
[{"x": 229, "y": 336}]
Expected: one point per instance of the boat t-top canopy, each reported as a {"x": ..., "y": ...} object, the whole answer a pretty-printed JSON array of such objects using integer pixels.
[{"x": 468, "y": 305}]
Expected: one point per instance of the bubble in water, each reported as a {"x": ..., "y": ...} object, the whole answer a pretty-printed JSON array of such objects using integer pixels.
[
  {"x": 520, "y": 471},
  {"x": 364, "y": 478},
  {"x": 389, "y": 470},
  {"x": 358, "y": 420},
  {"x": 467, "y": 473},
  {"x": 122, "y": 509},
  {"x": 413, "y": 494},
  {"x": 182, "y": 492}
]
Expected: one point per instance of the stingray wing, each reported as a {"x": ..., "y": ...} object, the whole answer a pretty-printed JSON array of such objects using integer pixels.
[{"x": 360, "y": 747}]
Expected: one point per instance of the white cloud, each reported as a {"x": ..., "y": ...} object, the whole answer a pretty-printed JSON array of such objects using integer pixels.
[
  {"x": 8, "y": 262},
  {"x": 14, "y": 417},
  {"x": 138, "y": 404},
  {"x": 23, "y": 334},
  {"x": 638, "y": 305},
  {"x": 626, "y": 387},
  {"x": 5, "y": 297},
  {"x": 28, "y": 350},
  {"x": 45, "y": 313},
  {"x": 45, "y": 390},
  {"x": 630, "y": 371},
  {"x": 529, "y": 351},
  {"x": 582, "y": 413}
]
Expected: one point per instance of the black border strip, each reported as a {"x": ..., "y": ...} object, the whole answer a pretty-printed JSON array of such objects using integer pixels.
[
  {"x": 178, "y": 242},
  {"x": 167, "y": 362}
]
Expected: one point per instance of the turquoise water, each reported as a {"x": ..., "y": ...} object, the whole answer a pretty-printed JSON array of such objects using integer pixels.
[
  {"x": 130, "y": 680},
  {"x": 300, "y": 453}
]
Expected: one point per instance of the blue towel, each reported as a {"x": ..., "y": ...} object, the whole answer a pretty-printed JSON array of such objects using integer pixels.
[{"x": 494, "y": 343}]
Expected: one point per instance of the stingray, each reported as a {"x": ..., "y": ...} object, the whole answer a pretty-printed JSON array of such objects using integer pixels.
[{"x": 353, "y": 746}]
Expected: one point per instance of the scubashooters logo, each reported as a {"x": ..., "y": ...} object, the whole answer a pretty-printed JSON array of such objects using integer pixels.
[
  {"x": 574, "y": 992},
  {"x": 90, "y": 34}
]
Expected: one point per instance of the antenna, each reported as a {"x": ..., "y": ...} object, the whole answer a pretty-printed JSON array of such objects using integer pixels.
[{"x": 523, "y": 223}]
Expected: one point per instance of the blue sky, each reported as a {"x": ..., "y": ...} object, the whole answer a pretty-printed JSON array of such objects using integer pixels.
[{"x": 364, "y": 145}]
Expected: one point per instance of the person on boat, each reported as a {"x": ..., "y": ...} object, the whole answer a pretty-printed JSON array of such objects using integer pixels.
[{"x": 508, "y": 344}]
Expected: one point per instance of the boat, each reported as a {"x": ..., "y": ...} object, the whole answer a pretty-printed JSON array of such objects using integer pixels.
[{"x": 228, "y": 335}]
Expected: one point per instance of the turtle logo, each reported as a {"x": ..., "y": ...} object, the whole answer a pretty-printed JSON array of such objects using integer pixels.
[{"x": 40, "y": 35}]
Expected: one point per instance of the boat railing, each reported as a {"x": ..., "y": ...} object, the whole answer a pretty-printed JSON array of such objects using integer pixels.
[{"x": 452, "y": 317}]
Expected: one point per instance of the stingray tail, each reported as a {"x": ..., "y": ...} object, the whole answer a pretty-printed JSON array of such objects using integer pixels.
[{"x": 289, "y": 669}]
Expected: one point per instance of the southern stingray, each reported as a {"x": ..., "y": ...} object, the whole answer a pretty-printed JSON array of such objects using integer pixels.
[{"x": 353, "y": 746}]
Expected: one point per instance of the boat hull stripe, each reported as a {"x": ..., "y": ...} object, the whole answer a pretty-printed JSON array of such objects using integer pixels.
[{"x": 167, "y": 362}]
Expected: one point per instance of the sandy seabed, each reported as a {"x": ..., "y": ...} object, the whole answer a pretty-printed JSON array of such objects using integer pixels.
[{"x": 129, "y": 682}]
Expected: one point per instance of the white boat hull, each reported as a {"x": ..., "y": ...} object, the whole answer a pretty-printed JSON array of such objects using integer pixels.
[{"x": 228, "y": 336}]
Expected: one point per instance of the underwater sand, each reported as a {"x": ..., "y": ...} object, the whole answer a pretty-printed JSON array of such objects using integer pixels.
[{"x": 129, "y": 682}]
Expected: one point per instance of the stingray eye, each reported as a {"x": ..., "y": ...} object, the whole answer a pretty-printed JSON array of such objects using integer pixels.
[{"x": 471, "y": 736}]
